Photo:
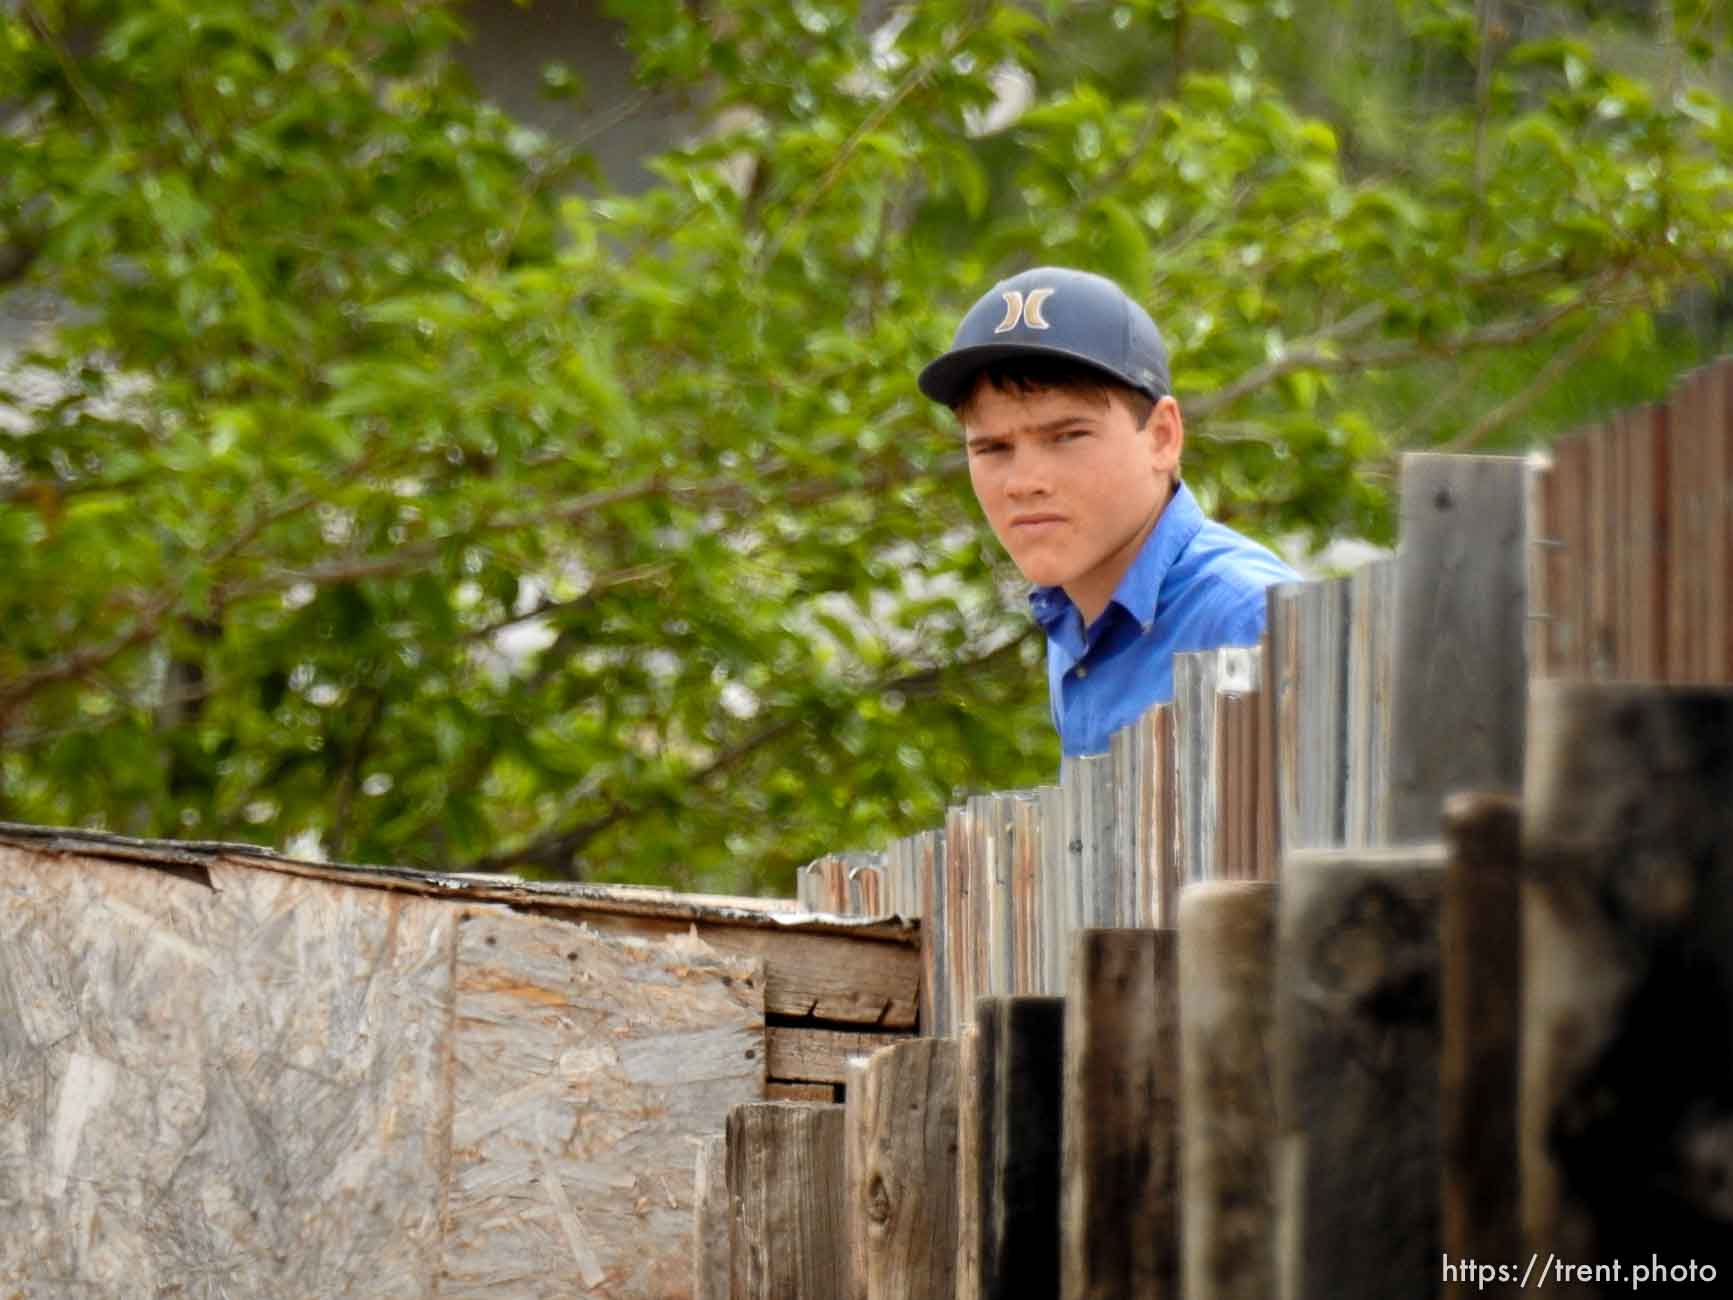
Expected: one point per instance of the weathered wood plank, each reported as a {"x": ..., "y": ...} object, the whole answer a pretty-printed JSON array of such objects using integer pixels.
[
  {"x": 1308, "y": 635},
  {"x": 1627, "y": 1041},
  {"x": 711, "y": 1222},
  {"x": 1718, "y": 430},
  {"x": 961, "y": 884},
  {"x": 800, "y": 1054},
  {"x": 902, "y": 1171},
  {"x": 1055, "y": 888},
  {"x": 235, "y": 1089},
  {"x": 1717, "y": 433},
  {"x": 1566, "y": 605},
  {"x": 1357, "y": 1073},
  {"x": 1119, "y": 1228},
  {"x": 581, "y": 1067},
  {"x": 786, "y": 1180},
  {"x": 1164, "y": 869},
  {"x": 1227, "y": 1063},
  {"x": 938, "y": 1011},
  {"x": 1371, "y": 673},
  {"x": 1481, "y": 948},
  {"x": 1461, "y": 662},
  {"x": 1026, "y": 832}
]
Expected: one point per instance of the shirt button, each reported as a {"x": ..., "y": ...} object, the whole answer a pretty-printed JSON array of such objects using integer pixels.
[{"x": 1080, "y": 671}]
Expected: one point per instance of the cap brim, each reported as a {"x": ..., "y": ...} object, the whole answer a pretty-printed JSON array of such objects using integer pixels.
[{"x": 949, "y": 379}]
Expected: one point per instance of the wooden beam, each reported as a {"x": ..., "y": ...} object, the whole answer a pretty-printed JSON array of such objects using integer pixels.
[
  {"x": 1481, "y": 947},
  {"x": 902, "y": 1171},
  {"x": 803, "y": 1055},
  {"x": 1119, "y": 1228},
  {"x": 977, "y": 1059},
  {"x": 821, "y": 1092},
  {"x": 711, "y": 1231},
  {"x": 816, "y": 975},
  {"x": 1357, "y": 1072},
  {"x": 1627, "y": 1040},
  {"x": 1461, "y": 635},
  {"x": 1227, "y": 1059},
  {"x": 785, "y": 1179},
  {"x": 1014, "y": 1100}
]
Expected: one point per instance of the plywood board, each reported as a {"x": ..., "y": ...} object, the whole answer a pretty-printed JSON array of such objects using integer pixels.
[
  {"x": 226, "y": 1089},
  {"x": 582, "y": 1068}
]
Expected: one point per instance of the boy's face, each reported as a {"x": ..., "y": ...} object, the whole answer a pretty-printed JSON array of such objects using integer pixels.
[{"x": 1070, "y": 484}]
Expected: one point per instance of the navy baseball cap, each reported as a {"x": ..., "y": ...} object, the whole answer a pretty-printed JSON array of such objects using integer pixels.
[{"x": 1053, "y": 312}]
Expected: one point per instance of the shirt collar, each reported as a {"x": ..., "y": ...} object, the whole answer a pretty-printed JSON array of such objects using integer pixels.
[{"x": 1139, "y": 591}]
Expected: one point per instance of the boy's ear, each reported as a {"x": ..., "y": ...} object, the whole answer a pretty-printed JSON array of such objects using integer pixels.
[{"x": 1166, "y": 427}]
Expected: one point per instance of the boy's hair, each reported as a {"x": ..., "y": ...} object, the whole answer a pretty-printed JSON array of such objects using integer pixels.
[{"x": 1033, "y": 374}]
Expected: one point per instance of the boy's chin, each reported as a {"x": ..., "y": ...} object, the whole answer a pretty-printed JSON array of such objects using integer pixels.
[{"x": 1043, "y": 575}]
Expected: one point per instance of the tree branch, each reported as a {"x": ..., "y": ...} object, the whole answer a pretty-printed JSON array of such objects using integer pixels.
[
  {"x": 1549, "y": 375},
  {"x": 555, "y": 850},
  {"x": 1310, "y": 355},
  {"x": 870, "y": 123}
]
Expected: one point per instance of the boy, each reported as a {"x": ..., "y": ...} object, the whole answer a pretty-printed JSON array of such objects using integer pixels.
[{"x": 1061, "y": 384}]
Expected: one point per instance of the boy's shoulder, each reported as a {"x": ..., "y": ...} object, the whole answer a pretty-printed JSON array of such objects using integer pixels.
[
  {"x": 1221, "y": 556},
  {"x": 1222, "y": 577}
]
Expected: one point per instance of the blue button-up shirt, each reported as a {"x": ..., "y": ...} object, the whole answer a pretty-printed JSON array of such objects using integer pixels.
[{"x": 1194, "y": 585}]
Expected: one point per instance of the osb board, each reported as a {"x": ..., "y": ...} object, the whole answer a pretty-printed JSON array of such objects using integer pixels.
[
  {"x": 845, "y": 969},
  {"x": 583, "y": 1069},
  {"x": 277, "y": 1086},
  {"x": 234, "y": 1089}
]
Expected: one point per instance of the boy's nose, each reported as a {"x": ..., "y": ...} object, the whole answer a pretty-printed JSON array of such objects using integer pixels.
[{"x": 1025, "y": 478}]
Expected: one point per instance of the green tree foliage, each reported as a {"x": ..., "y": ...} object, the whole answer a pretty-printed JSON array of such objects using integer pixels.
[{"x": 401, "y": 493}]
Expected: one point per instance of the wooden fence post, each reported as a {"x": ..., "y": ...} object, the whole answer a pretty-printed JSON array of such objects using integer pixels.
[
  {"x": 1119, "y": 1232},
  {"x": 1227, "y": 933},
  {"x": 786, "y": 1183},
  {"x": 902, "y": 1171},
  {"x": 1461, "y": 673},
  {"x": 1357, "y": 1073},
  {"x": 1626, "y": 1112},
  {"x": 711, "y": 1235},
  {"x": 1011, "y": 1113},
  {"x": 1481, "y": 948}
]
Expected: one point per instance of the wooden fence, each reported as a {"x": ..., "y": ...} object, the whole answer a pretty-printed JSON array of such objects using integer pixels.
[
  {"x": 1343, "y": 1045},
  {"x": 1264, "y": 750}
]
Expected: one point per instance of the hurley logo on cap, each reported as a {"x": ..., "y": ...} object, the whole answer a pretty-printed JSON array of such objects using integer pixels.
[{"x": 1026, "y": 309}]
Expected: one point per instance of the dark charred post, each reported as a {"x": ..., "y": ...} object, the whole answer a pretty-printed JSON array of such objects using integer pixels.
[
  {"x": 786, "y": 1185},
  {"x": 902, "y": 1171},
  {"x": 1120, "y": 1219},
  {"x": 1012, "y": 1110},
  {"x": 1481, "y": 949},
  {"x": 1227, "y": 946},
  {"x": 710, "y": 1230},
  {"x": 1357, "y": 1043},
  {"x": 1627, "y": 1068}
]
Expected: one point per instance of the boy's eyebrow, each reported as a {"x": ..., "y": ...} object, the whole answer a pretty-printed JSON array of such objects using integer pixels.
[{"x": 1046, "y": 426}]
